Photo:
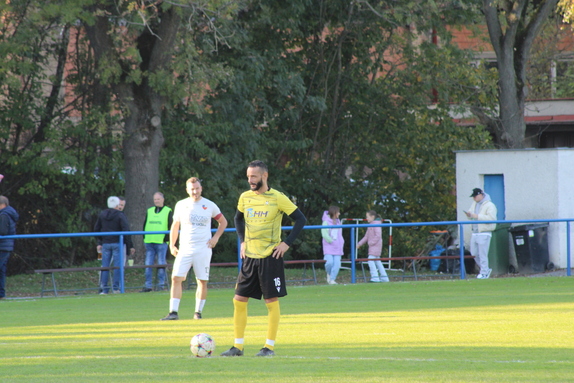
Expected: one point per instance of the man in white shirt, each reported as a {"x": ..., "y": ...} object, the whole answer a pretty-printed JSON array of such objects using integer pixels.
[
  {"x": 192, "y": 223},
  {"x": 482, "y": 209}
]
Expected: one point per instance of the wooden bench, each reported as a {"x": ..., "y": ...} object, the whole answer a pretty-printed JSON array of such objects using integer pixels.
[
  {"x": 52, "y": 272},
  {"x": 412, "y": 265},
  {"x": 306, "y": 262},
  {"x": 304, "y": 276},
  {"x": 54, "y": 288}
]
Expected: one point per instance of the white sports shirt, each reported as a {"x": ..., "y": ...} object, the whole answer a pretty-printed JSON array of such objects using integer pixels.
[{"x": 195, "y": 222}]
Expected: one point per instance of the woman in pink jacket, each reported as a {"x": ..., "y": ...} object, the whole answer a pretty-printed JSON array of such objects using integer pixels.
[{"x": 374, "y": 239}]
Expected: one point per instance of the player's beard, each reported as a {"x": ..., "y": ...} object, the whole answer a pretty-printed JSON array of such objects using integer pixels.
[{"x": 257, "y": 186}]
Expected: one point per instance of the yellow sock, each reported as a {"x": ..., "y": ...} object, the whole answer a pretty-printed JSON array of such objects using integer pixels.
[
  {"x": 274, "y": 313},
  {"x": 239, "y": 322}
]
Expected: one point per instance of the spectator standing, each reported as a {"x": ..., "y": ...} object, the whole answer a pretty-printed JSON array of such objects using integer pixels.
[
  {"x": 481, "y": 209},
  {"x": 122, "y": 204},
  {"x": 192, "y": 224},
  {"x": 374, "y": 239},
  {"x": 158, "y": 218},
  {"x": 333, "y": 243},
  {"x": 111, "y": 220},
  {"x": 8, "y": 219},
  {"x": 258, "y": 224}
]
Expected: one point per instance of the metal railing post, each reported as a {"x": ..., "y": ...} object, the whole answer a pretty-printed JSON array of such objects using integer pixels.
[
  {"x": 122, "y": 260},
  {"x": 353, "y": 250},
  {"x": 568, "y": 260},
  {"x": 461, "y": 249}
]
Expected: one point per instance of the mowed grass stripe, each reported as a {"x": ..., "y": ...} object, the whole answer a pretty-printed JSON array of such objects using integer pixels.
[{"x": 515, "y": 329}]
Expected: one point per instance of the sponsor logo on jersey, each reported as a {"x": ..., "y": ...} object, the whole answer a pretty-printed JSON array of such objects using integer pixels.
[
  {"x": 199, "y": 220},
  {"x": 252, "y": 213}
]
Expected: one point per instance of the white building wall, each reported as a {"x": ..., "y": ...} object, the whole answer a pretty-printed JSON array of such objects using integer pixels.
[
  {"x": 565, "y": 176},
  {"x": 538, "y": 184}
]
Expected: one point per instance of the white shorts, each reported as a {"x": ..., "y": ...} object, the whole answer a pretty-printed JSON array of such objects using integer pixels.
[{"x": 199, "y": 260}]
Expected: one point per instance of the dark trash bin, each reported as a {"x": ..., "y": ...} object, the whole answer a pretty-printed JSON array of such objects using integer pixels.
[{"x": 531, "y": 247}]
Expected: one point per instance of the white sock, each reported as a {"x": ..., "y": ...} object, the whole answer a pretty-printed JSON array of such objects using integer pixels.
[
  {"x": 174, "y": 305},
  {"x": 199, "y": 305}
]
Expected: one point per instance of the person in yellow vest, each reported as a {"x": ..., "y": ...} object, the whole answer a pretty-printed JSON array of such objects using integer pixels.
[{"x": 158, "y": 218}]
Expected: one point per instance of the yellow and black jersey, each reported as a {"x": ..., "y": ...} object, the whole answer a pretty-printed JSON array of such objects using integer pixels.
[{"x": 263, "y": 214}]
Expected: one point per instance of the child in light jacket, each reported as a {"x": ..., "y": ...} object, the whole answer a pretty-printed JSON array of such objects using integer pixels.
[{"x": 374, "y": 239}]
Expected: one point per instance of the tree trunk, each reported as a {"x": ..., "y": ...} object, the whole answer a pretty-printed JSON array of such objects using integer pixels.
[
  {"x": 143, "y": 138},
  {"x": 141, "y": 148},
  {"x": 512, "y": 28},
  {"x": 511, "y": 127}
]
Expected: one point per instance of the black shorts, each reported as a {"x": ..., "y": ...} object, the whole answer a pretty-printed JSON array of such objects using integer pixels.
[{"x": 261, "y": 277}]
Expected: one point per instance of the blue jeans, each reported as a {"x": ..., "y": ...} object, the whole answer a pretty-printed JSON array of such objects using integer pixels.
[
  {"x": 333, "y": 265},
  {"x": 151, "y": 251},
  {"x": 110, "y": 251},
  {"x": 4, "y": 255}
]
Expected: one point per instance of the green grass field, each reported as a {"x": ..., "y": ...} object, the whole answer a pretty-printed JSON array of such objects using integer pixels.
[{"x": 497, "y": 330}]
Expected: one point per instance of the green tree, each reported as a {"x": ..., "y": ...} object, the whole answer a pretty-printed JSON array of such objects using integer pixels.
[
  {"x": 144, "y": 55},
  {"x": 344, "y": 103},
  {"x": 335, "y": 97},
  {"x": 126, "y": 68},
  {"x": 50, "y": 163}
]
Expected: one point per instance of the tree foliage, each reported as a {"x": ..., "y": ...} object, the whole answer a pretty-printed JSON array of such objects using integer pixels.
[
  {"x": 335, "y": 97},
  {"x": 347, "y": 102},
  {"x": 54, "y": 167},
  {"x": 566, "y": 7},
  {"x": 550, "y": 72}
]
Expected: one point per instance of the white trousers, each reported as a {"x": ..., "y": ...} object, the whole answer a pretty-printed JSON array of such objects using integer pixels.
[
  {"x": 377, "y": 270},
  {"x": 479, "y": 245}
]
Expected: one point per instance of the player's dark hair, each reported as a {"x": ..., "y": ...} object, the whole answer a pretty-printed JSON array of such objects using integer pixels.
[{"x": 258, "y": 164}]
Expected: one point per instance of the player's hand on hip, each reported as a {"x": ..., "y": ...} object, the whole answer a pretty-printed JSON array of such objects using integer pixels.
[
  {"x": 280, "y": 250},
  {"x": 211, "y": 243}
]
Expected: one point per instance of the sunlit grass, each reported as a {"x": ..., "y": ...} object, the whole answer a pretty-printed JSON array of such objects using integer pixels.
[{"x": 500, "y": 330}]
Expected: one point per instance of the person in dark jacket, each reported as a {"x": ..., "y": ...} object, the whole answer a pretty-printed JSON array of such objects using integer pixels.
[
  {"x": 8, "y": 219},
  {"x": 112, "y": 219}
]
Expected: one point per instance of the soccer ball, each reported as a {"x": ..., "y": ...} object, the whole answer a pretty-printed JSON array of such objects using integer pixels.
[{"x": 202, "y": 345}]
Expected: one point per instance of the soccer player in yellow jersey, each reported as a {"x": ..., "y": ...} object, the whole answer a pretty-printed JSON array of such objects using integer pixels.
[{"x": 258, "y": 224}]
